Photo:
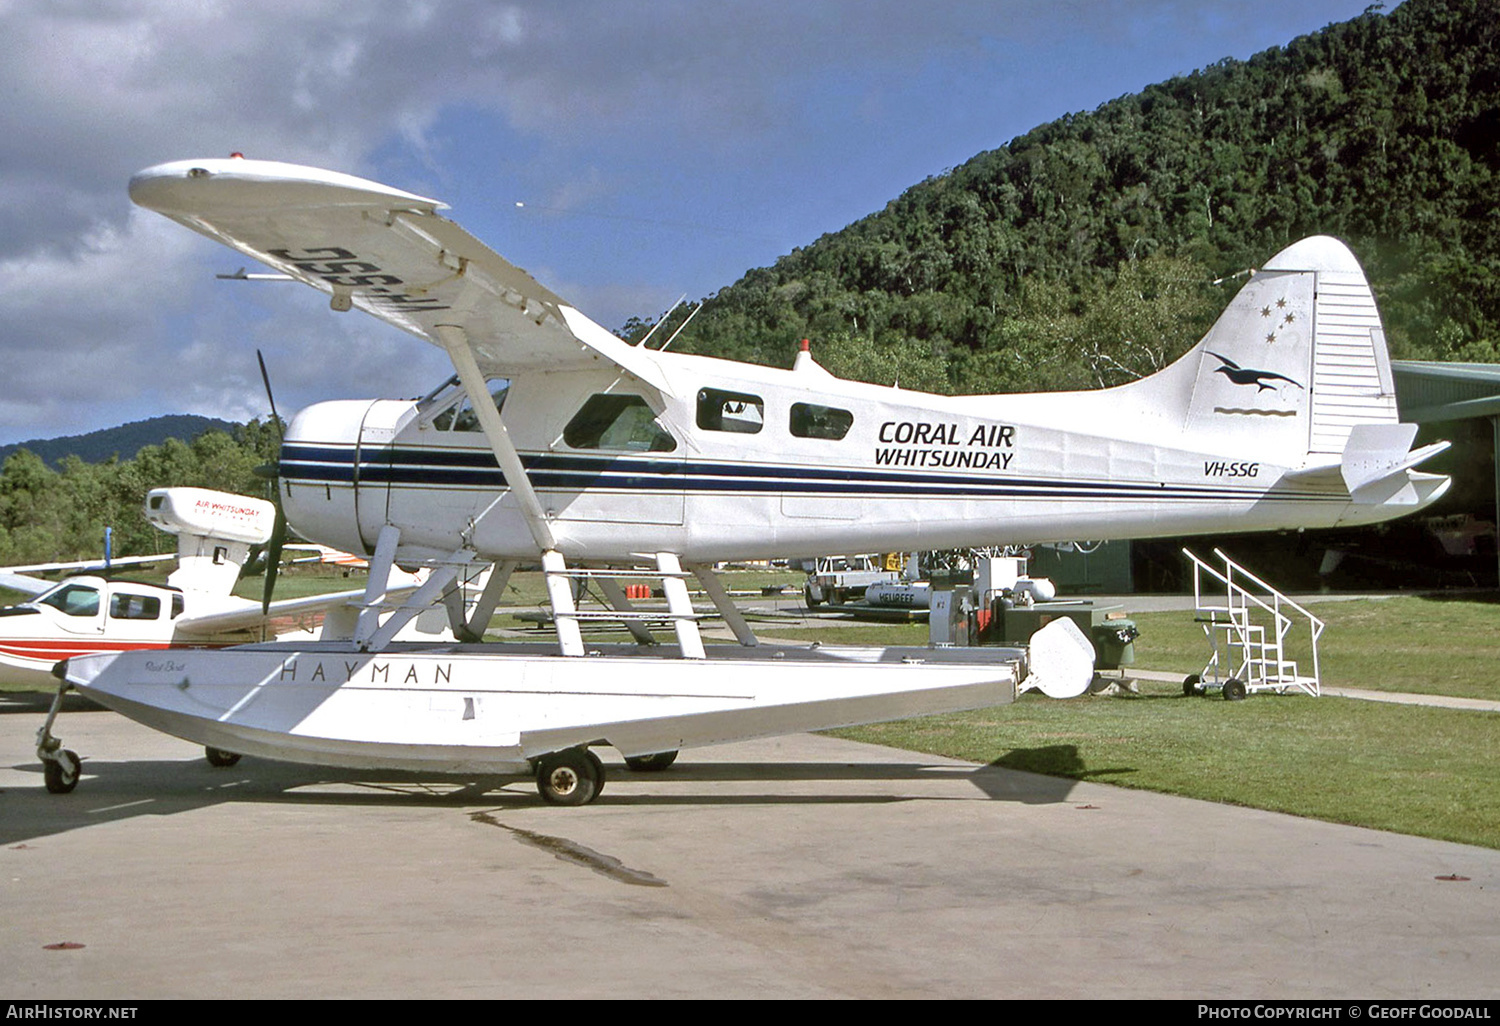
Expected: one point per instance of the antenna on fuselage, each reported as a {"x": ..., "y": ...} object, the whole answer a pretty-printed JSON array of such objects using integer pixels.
[
  {"x": 1236, "y": 274},
  {"x": 662, "y": 320},
  {"x": 688, "y": 320}
]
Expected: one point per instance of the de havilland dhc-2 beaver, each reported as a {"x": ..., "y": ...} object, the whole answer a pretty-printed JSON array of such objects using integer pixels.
[{"x": 557, "y": 442}]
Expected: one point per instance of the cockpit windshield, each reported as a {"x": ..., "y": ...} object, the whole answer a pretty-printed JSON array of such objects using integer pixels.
[
  {"x": 454, "y": 410},
  {"x": 72, "y": 599}
]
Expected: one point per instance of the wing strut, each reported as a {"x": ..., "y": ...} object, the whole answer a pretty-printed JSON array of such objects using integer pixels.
[
  {"x": 473, "y": 628},
  {"x": 456, "y": 341}
]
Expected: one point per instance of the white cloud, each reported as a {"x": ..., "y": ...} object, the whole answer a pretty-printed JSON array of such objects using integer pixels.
[{"x": 678, "y": 100}]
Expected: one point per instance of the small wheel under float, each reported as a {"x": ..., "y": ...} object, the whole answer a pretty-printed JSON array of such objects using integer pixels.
[
  {"x": 61, "y": 771},
  {"x": 61, "y": 767},
  {"x": 598, "y": 771},
  {"x": 574, "y": 776}
]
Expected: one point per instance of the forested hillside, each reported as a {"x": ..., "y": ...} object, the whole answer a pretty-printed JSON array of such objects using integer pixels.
[
  {"x": 122, "y": 442},
  {"x": 1085, "y": 252},
  {"x": 51, "y": 515}
]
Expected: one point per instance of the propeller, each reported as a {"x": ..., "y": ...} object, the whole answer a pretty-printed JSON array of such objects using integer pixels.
[{"x": 272, "y": 473}]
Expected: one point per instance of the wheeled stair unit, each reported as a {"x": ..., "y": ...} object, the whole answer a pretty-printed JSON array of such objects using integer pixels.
[{"x": 1248, "y": 623}]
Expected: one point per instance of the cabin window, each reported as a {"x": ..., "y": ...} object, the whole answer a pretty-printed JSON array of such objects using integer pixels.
[
  {"x": 73, "y": 599},
  {"x": 810, "y": 421},
  {"x": 461, "y": 415},
  {"x": 124, "y": 606},
  {"x": 177, "y": 606},
  {"x": 738, "y": 412},
  {"x": 617, "y": 421}
]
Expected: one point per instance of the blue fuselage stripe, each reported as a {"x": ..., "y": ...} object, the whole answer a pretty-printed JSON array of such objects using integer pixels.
[{"x": 447, "y": 468}]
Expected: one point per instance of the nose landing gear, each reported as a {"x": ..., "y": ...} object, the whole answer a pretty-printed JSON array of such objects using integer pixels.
[{"x": 61, "y": 767}]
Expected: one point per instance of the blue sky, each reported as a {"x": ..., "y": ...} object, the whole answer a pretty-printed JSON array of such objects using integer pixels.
[{"x": 624, "y": 152}]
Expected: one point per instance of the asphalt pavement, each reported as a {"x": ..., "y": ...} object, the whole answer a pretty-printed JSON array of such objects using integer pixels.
[{"x": 801, "y": 866}]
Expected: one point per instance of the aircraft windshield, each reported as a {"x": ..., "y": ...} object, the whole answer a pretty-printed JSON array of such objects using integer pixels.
[
  {"x": 459, "y": 414},
  {"x": 72, "y": 599}
]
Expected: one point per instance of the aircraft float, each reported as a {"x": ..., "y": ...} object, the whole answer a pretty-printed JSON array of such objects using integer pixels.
[{"x": 555, "y": 442}]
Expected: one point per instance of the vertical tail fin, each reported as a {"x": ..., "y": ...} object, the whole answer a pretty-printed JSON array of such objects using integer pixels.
[
  {"x": 1298, "y": 359},
  {"x": 214, "y": 534}
]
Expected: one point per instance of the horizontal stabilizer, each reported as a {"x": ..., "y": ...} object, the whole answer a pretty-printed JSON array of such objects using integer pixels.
[{"x": 1376, "y": 452}]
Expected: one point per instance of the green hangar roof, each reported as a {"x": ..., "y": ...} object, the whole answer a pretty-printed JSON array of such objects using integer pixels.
[{"x": 1428, "y": 392}]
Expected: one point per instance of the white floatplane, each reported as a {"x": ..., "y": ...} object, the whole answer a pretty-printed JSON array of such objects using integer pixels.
[{"x": 555, "y": 441}]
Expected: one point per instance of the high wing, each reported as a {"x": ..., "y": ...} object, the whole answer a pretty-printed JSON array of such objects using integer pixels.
[
  {"x": 251, "y": 615},
  {"x": 387, "y": 252},
  {"x": 17, "y": 578}
]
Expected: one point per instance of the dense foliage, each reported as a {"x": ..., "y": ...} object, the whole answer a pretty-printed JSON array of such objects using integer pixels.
[
  {"x": 60, "y": 515},
  {"x": 1086, "y": 251}
]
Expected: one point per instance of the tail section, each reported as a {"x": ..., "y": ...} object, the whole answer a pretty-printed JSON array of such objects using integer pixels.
[
  {"x": 1296, "y": 373},
  {"x": 1297, "y": 360},
  {"x": 214, "y": 533}
]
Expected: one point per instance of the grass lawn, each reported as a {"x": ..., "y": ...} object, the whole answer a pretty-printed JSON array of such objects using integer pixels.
[
  {"x": 1412, "y": 769},
  {"x": 1432, "y": 646}
]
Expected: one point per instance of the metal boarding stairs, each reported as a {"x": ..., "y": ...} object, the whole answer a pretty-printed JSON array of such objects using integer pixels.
[{"x": 1248, "y": 655}]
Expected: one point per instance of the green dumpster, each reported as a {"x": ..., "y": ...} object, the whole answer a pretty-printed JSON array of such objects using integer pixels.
[{"x": 1114, "y": 643}]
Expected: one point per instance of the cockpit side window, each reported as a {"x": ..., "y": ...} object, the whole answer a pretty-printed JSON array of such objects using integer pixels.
[
  {"x": 460, "y": 415},
  {"x": 124, "y": 606},
  {"x": 73, "y": 600},
  {"x": 738, "y": 412},
  {"x": 812, "y": 421},
  {"x": 617, "y": 421}
]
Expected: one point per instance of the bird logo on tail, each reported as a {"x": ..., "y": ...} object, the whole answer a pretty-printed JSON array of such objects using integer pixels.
[{"x": 1248, "y": 376}]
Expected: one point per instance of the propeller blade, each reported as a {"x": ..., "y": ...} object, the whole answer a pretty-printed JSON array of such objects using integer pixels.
[
  {"x": 270, "y": 472},
  {"x": 273, "y": 559},
  {"x": 266, "y": 380}
]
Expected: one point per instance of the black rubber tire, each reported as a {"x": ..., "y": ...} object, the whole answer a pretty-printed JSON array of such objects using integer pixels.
[
  {"x": 1234, "y": 690},
  {"x": 1192, "y": 684},
  {"x": 653, "y": 763},
  {"x": 568, "y": 777},
  {"x": 220, "y": 758},
  {"x": 61, "y": 775},
  {"x": 598, "y": 771}
]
